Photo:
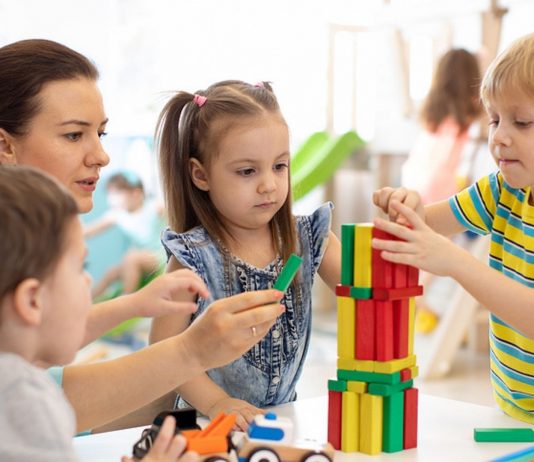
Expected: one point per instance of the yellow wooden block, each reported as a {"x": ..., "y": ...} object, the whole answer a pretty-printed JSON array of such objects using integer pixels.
[
  {"x": 371, "y": 424},
  {"x": 411, "y": 324},
  {"x": 350, "y": 421},
  {"x": 415, "y": 371},
  {"x": 388, "y": 367},
  {"x": 357, "y": 387},
  {"x": 346, "y": 327},
  {"x": 362, "y": 254},
  {"x": 355, "y": 365}
]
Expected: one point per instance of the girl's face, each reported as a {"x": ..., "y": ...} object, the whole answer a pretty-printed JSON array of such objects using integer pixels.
[
  {"x": 64, "y": 138},
  {"x": 511, "y": 137},
  {"x": 248, "y": 178}
]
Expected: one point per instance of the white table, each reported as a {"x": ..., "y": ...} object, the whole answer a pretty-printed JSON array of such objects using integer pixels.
[{"x": 445, "y": 433}]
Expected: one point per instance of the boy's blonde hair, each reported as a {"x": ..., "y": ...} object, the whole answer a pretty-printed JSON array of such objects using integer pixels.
[
  {"x": 34, "y": 212},
  {"x": 513, "y": 69}
]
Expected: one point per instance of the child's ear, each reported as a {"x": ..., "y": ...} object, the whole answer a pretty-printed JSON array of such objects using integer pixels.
[
  {"x": 198, "y": 175},
  {"x": 27, "y": 301},
  {"x": 7, "y": 148}
]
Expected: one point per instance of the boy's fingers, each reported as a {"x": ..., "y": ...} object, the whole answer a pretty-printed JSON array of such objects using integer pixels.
[
  {"x": 177, "y": 446},
  {"x": 411, "y": 216},
  {"x": 164, "y": 437}
]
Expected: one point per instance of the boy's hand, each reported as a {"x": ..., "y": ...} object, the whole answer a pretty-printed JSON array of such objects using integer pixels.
[
  {"x": 420, "y": 245},
  {"x": 245, "y": 411},
  {"x": 384, "y": 197},
  {"x": 167, "y": 447},
  {"x": 160, "y": 296},
  {"x": 231, "y": 326}
]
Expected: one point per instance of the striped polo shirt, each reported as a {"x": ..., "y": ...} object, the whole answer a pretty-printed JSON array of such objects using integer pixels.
[{"x": 492, "y": 206}]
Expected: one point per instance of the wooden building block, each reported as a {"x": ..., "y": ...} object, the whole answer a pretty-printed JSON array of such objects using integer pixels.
[
  {"x": 350, "y": 425},
  {"x": 393, "y": 431},
  {"x": 343, "y": 291},
  {"x": 362, "y": 255},
  {"x": 365, "y": 330},
  {"x": 382, "y": 276},
  {"x": 383, "y": 389},
  {"x": 337, "y": 385},
  {"x": 395, "y": 294},
  {"x": 346, "y": 327},
  {"x": 357, "y": 387},
  {"x": 371, "y": 424},
  {"x": 361, "y": 293},
  {"x": 410, "y": 418},
  {"x": 355, "y": 364},
  {"x": 401, "y": 331},
  {"x": 400, "y": 275},
  {"x": 384, "y": 330},
  {"x": 362, "y": 376},
  {"x": 411, "y": 324},
  {"x": 334, "y": 419},
  {"x": 395, "y": 365},
  {"x": 413, "y": 276},
  {"x": 347, "y": 254}
]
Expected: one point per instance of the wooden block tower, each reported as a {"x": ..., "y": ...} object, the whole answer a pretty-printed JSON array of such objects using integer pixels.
[{"x": 372, "y": 405}]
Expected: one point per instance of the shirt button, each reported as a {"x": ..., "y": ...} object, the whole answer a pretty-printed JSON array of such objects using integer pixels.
[
  {"x": 276, "y": 333},
  {"x": 276, "y": 380}
]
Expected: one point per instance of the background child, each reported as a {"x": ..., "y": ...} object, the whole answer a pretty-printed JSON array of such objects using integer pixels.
[
  {"x": 141, "y": 221},
  {"x": 432, "y": 167},
  {"x": 44, "y": 305},
  {"x": 501, "y": 204},
  {"x": 224, "y": 158}
]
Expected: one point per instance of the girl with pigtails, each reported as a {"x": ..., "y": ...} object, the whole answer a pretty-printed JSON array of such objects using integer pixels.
[{"x": 224, "y": 159}]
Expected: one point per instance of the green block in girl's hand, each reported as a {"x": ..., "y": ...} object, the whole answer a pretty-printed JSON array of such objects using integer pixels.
[{"x": 288, "y": 273}]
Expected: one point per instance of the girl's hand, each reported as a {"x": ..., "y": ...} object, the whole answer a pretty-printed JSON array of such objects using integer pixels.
[
  {"x": 420, "y": 246},
  {"x": 245, "y": 411},
  {"x": 160, "y": 296},
  {"x": 384, "y": 197},
  {"x": 167, "y": 447}
]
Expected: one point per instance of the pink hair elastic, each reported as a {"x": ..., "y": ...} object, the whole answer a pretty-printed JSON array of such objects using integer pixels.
[
  {"x": 199, "y": 100},
  {"x": 260, "y": 85}
]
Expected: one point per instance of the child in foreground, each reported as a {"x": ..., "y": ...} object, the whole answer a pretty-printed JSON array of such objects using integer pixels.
[
  {"x": 224, "y": 158},
  {"x": 502, "y": 205},
  {"x": 44, "y": 305}
]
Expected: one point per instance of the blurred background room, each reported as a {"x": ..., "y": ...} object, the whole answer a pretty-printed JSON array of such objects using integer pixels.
[{"x": 351, "y": 78}]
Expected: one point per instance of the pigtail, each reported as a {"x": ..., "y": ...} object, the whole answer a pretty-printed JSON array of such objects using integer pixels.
[{"x": 173, "y": 140}]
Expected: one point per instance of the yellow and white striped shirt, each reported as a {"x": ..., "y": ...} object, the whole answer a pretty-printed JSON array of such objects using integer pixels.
[{"x": 492, "y": 206}]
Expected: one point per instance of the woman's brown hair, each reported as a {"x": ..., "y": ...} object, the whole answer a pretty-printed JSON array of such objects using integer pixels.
[
  {"x": 188, "y": 130},
  {"x": 25, "y": 67},
  {"x": 454, "y": 91}
]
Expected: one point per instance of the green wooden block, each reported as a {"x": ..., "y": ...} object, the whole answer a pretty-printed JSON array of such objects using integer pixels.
[
  {"x": 347, "y": 254},
  {"x": 383, "y": 389},
  {"x": 288, "y": 273},
  {"x": 504, "y": 435},
  {"x": 393, "y": 423},
  {"x": 337, "y": 385},
  {"x": 364, "y": 293},
  {"x": 369, "y": 377}
]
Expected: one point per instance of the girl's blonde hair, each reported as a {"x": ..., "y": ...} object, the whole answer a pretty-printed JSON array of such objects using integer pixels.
[
  {"x": 511, "y": 70},
  {"x": 454, "y": 91},
  {"x": 192, "y": 126}
]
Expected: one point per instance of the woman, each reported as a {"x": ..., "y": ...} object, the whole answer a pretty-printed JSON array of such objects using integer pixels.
[{"x": 52, "y": 117}]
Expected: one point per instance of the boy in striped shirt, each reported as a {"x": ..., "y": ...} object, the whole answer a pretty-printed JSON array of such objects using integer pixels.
[{"x": 502, "y": 205}]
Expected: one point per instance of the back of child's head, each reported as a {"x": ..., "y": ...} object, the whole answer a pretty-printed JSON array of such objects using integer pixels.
[
  {"x": 125, "y": 181},
  {"x": 454, "y": 91},
  {"x": 193, "y": 126},
  {"x": 511, "y": 71},
  {"x": 34, "y": 213}
]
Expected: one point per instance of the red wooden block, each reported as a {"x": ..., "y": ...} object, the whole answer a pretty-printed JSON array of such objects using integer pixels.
[
  {"x": 395, "y": 294},
  {"x": 401, "y": 331},
  {"x": 410, "y": 418},
  {"x": 384, "y": 330},
  {"x": 342, "y": 291},
  {"x": 405, "y": 374},
  {"x": 365, "y": 330},
  {"x": 382, "y": 270},
  {"x": 413, "y": 276},
  {"x": 334, "y": 419},
  {"x": 400, "y": 276}
]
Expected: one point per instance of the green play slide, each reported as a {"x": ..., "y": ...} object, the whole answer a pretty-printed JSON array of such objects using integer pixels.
[{"x": 318, "y": 158}]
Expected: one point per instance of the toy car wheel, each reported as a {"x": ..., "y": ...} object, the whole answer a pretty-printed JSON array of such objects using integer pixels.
[
  {"x": 315, "y": 457},
  {"x": 263, "y": 455},
  {"x": 216, "y": 459}
]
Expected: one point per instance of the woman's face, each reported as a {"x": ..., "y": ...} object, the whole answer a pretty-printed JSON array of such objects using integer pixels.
[{"x": 64, "y": 138}]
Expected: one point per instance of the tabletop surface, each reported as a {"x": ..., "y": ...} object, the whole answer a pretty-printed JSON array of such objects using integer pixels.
[{"x": 445, "y": 433}]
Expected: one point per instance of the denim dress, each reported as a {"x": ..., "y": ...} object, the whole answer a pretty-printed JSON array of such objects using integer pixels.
[{"x": 267, "y": 374}]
